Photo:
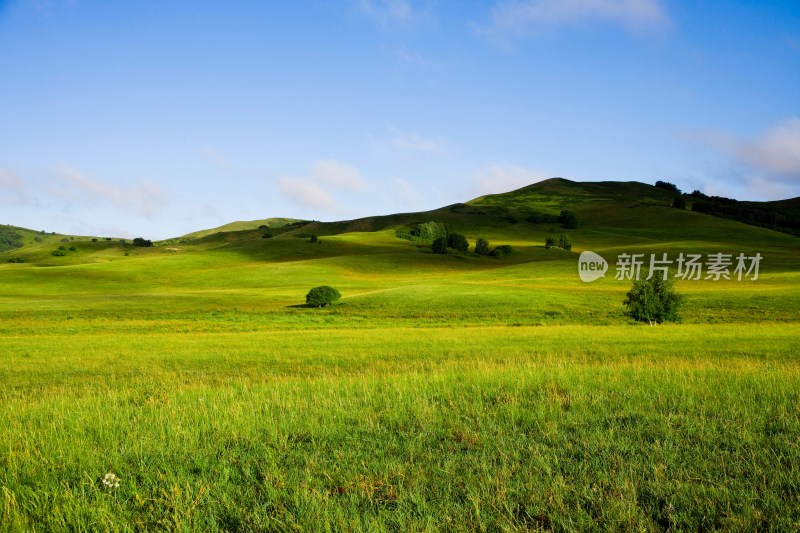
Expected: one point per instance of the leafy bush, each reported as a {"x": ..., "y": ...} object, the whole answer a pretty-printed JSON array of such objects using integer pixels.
[
  {"x": 679, "y": 202},
  {"x": 439, "y": 245},
  {"x": 564, "y": 243},
  {"x": 267, "y": 236},
  {"x": 503, "y": 249},
  {"x": 144, "y": 243},
  {"x": 568, "y": 219},
  {"x": 322, "y": 296},
  {"x": 550, "y": 242},
  {"x": 653, "y": 300},
  {"x": 73, "y": 249},
  {"x": 427, "y": 231},
  {"x": 482, "y": 246},
  {"x": 457, "y": 241},
  {"x": 313, "y": 238},
  {"x": 542, "y": 218},
  {"x": 58, "y": 253},
  {"x": 16, "y": 260}
]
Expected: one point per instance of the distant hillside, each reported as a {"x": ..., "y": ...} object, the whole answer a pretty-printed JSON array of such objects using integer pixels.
[{"x": 267, "y": 223}]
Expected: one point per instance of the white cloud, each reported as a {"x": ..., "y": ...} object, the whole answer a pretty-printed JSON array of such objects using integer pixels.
[
  {"x": 12, "y": 189},
  {"x": 519, "y": 17},
  {"x": 776, "y": 153},
  {"x": 503, "y": 178},
  {"x": 339, "y": 175},
  {"x": 212, "y": 155},
  {"x": 315, "y": 190},
  {"x": 388, "y": 12},
  {"x": 307, "y": 194},
  {"x": 143, "y": 199},
  {"x": 414, "y": 142}
]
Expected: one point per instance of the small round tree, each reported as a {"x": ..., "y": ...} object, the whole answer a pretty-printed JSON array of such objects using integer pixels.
[
  {"x": 458, "y": 242},
  {"x": 653, "y": 300},
  {"x": 322, "y": 296},
  {"x": 439, "y": 246},
  {"x": 482, "y": 246}
]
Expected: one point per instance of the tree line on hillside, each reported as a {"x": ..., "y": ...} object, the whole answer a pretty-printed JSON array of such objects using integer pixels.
[{"x": 783, "y": 218}]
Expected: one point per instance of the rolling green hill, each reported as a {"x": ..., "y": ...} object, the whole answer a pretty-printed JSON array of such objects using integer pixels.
[{"x": 442, "y": 392}]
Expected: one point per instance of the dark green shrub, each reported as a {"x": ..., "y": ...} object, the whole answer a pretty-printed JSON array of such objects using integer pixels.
[
  {"x": 313, "y": 238},
  {"x": 653, "y": 300},
  {"x": 144, "y": 243},
  {"x": 73, "y": 249},
  {"x": 58, "y": 253},
  {"x": 550, "y": 242},
  {"x": 667, "y": 186},
  {"x": 568, "y": 219},
  {"x": 564, "y": 242},
  {"x": 503, "y": 249},
  {"x": 267, "y": 236},
  {"x": 679, "y": 202},
  {"x": 322, "y": 296},
  {"x": 16, "y": 260},
  {"x": 458, "y": 242},
  {"x": 482, "y": 246},
  {"x": 439, "y": 245}
]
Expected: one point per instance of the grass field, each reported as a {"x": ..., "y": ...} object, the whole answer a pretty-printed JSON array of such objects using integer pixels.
[{"x": 456, "y": 392}]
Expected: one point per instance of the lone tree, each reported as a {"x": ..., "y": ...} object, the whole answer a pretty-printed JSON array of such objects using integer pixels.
[
  {"x": 439, "y": 246},
  {"x": 322, "y": 296},
  {"x": 653, "y": 300},
  {"x": 458, "y": 242},
  {"x": 140, "y": 241},
  {"x": 482, "y": 246}
]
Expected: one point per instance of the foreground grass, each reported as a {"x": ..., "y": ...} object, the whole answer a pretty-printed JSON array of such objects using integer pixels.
[{"x": 574, "y": 427}]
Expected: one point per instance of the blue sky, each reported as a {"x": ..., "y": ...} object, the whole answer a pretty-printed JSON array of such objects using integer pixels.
[{"x": 156, "y": 119}]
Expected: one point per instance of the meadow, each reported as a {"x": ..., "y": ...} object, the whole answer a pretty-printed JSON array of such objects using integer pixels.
[{"x": 454, "y": 392}]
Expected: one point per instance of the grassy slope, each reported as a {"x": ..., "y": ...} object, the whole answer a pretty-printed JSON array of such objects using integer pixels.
[{"x": 452, "y": 391}]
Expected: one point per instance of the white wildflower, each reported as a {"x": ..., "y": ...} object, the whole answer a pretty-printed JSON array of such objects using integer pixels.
[{"x": 110, "y": 481}]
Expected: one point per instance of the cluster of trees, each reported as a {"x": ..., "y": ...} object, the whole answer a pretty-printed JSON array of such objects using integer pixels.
[
  {"x": 427, "y": 231},
  {"x": 144, "y": 243},
  {"x": 785, "y": 218},
  {"x": 9, "y": 238},
  {"x": 568, "y": 219},
  {"x": 562, "y": 242}
]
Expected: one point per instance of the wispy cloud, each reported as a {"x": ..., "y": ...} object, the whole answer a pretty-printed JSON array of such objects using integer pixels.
[
  {"x": 12, "y": 189},
  {"x": 413, "y": 142},
  {"x": 307, "y": 194},
  {"x": 386, "y": 12},
  {"x": 338, "y": 175},
  {"x": 496, "y": 179},
  {"x": 316, "y": 191},
  {"x": 144, "y": 199},
  {"x": 521, "y": 17},
  {"x": 776, "y": 152}
]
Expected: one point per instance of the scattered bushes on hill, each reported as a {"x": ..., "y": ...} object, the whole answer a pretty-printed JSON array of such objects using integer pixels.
[
  {"x": 322, "y": 296},
  {"x": 653, "y": 300},
  {"x": 9, "y": 238},
  {"x": 144, "y": 243},
  {"x": 482, "y": 246}
]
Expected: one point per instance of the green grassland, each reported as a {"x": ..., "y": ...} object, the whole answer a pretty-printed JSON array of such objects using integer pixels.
[{"x": 443, "y": 392}]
